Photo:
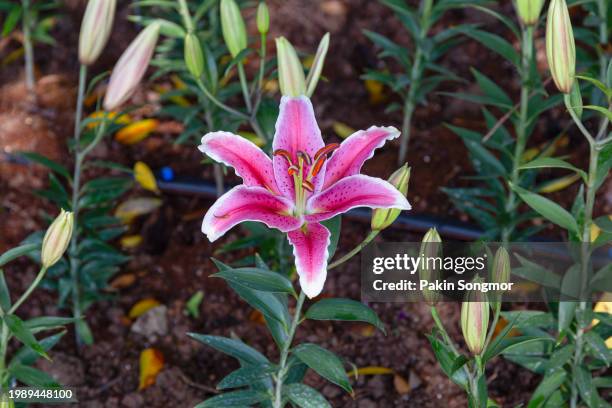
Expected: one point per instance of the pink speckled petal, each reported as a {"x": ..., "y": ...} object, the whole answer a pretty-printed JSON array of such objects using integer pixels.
[
  {"x": 355, "y": 150},
  {"x": 249, "y": 161},
  {"x": 296, "y": 130},
  {"x": 354, "y": 191},
  {"x": 244, "y": 203},
  {"x": 310, "y": 251}
]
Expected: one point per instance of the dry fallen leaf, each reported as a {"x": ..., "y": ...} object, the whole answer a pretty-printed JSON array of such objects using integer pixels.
[
  {"x": 136, "y": 131},
  {"x": 501, "y": 324},
  {"x": 130, "y": 241},
  {"x": 145, "y": 177},
  {"x": 370, "y": 370},
  {"x": 142, "y": 306},
  {"x": 134, "y": 207},
  {"x": 123, "y": 281},
  {"x": 401, "y": 385},
  {"x": 151, "y": 363}
]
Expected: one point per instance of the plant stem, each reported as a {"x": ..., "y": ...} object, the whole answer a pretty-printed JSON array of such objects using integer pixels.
[
  {"x": 278, "y": 392},
  {"x": 4, "y": 339},
  {"x": 354, "y": 251},
  {"x": 220, "y": 104},
  {"x": 28, "y": 292},
  {"x": 521, "y": 127},
  {"x": 217, "y": 170},
  {"x": 79, "y": 106},
  {"x": 415, "y": 76},
  {"x": 28, "y": 49},
  {"x": 74, "y": 241},
  {"x": 493, "y": 325},
  {"x": 245, "y": 87},
  {"x": 585, "y": 255}
]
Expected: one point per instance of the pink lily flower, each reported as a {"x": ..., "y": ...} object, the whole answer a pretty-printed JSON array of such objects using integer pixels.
[{"x": 300, "y": 186}]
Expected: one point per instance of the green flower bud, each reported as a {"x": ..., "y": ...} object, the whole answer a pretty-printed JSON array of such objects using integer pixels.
[
  {"x": 317, "y": 65},
  {"x": 263, "y": 18},
  {"x": 56, "y": 239},
  {"x": 431, "y": 247},
  {"x": 194, "y": 58},
  {"x": 131, "y": 67},
  {"x": 560, "y": 46},
  {"x": 6, "y": 402},
  {"x": 383, "y": 217},
  {"x": 501, "y": 266},
  {"x": 290, "y": 71},
  {"x": 475, "y": 320},
  {"x": 528, "y": 11},
  {"x": 232, "y": 25},
  {"x": 95, "y": 29}
]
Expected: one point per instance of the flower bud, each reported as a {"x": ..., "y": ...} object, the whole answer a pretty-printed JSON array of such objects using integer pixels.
[
  {"x": 560, "y": 46},
  {"x": 290, "y": 71},
  {"x": 232, "y": 25},
  {"x": 475, "y": 320},
  {"x": 263, "y": 18},
  {"x": 429, "y": 271},
  {"x": 95, "y": 29},
  {"x": 56, "y": 239},
  {"x": 528, "y": 11},
  {"x": 317, "y": 66},
  {"x": 194, "y": 58},
  {"x": 131, "y": 67},
  {"x": 501, "y": 266},
  {"x": 383, "y": 217}
]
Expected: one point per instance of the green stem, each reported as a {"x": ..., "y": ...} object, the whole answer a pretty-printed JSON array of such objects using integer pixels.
[
  {"x": 245, "y": 87},
  {"x": 492, "y": 328},
  {"x": 585, "y": 255},
  {"x": 415, "y": 76},
  {"x": 74, "y": 241},
  {"x": 445, "y": 336},
  {"x": 4, "y": 339},
  {"x": 220, "y": 104},
  {"x": 79, "y": 106},
  {"x": 28, "y": 49},
  {"x": 521, "y": 128},
  {"x": 217, "y": 170},
  {"x": 184, "y": 11},
  {"x": 278, "y": 391},
  {"x": 28, "y": 292},
  {"x": 355, "y": 250}
]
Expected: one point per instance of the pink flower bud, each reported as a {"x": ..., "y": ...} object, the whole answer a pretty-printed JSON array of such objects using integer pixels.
[
  {"x": 131, "y": 67},
  {"x": 95, "y": 29}
]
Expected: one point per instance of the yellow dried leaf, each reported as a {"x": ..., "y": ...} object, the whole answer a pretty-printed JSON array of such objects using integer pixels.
[
  {"x": 271, "y": 86},
  {"x": 595, "y": 231},
  {"x": 136, "y": 131},
  {"x": 151, "y": 363},
  {"x": 375, "y": 91},
  {"x": 130, "y": 241},
  {"x": 128, "y": 210},
  {"x": 178, "y": 82},
  {"x": 603, "y": 306},
  {"x": 258, "y": 141},
  {"x": 559, "y": 184},
  {"x": 145, "y": 177},
  {"x": 123, "y": 281},
  {"x": 370, "y": 370},
  {"x": 123, "y": 119},
  {"x": 342, "y": 129},
  {"x": 530, "y": 154},
  {"x": 401, "y": 385},
  {"x": 142, "y": 306}
]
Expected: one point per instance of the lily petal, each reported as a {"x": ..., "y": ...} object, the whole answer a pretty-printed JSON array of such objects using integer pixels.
[
  {"x": 355, "y": 150},
  {"x": 244, "y": 203},
  {"x": 310, "y": 251},
  {"x": 296, "y": 130},
  {"x": 354, "y": 191},
  {"x": 248, "y": 160}
]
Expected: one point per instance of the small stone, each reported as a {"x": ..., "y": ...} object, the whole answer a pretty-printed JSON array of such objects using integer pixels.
[
  {"x": 132, "y": 400},
  {"x": 152, "y": 323}
]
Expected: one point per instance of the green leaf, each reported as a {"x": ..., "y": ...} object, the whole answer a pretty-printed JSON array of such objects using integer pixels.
[
  {"x": 550, "y": 162},
  {"x": 333, "y": 225},
  {"x": 50, "y": 164},
  {"x": 5, "y": 296},
  {"x": 491, "y": 89},
  {"x": 548, "y": 385},
  {"x": 257, "y": 279},
  {"x": 32, "y": 376},
  {"x": 600, "y": 85},
  {"x": 598, "y": 347},
  {"x": 21, "y": 332},
  {"x": 305, "y": 397},
  {"x": 231, "y": 347},
  {"x": 193, "y": 304},
  {"x": 567, "y": 310},
  {"x": 37, "y": 324},
  {"x": 494, "y": 42},
  {"x": 548, "y": 209},
  {"x": 235, "y": 399},
  {"x": 604, "y": 111},
  {"x": 588, "y": 392},
  {"x": 16, "y": 252},
  {"x": 447, "y": 358},
  {"x": 344, "y": 309},
  {"x": 84, "y": 332},
  {"x": 266, "y": 302},
  {"x": 26, "y": 356},
  {"x": 325, "y": 363},
  {"x": 246, "y": 375}
]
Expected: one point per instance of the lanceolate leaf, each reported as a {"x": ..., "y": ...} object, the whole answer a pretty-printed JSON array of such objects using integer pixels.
[
  {"x": 550, "y": 162},
  {"x": 344, "y": 309},
  {"x": 325, "y": 363},
  {"x": 32, "y": 376},
  {"x": 548, "y": 209},
  {"x": 15, "y": 253},
  {"x": 231, "y": 347},
  {"x": 21, "y": 332},
  {"x": 258, "y": 279},
  {"x": 246, "y": 398},
  {"x": 305, "y": 397},
  {"x": 549, "y": 384}
]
